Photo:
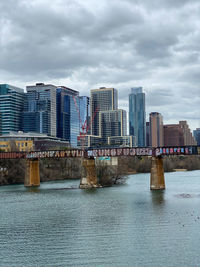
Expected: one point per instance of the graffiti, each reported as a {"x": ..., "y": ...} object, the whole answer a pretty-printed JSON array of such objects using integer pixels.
[
  {"x": 108, "y": 152},
  {"x": 176, "y": 151}
]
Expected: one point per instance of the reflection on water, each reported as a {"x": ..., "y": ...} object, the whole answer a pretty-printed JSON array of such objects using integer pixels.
[
  {"x": 34, "y": 189},
  {"x": 58, "y": 224},
  {"x": 158, "y": 197}
]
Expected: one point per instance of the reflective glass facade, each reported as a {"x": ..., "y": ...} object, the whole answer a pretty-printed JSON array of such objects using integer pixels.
[
  {"x": 11, "y": 108},
  {"x": 64, "y": 117},
  {"x": 137, "y": 120},
  {"x": 112, "y": 123},
  {"x": 40, "y": 109},
  {"x": 84, "y": 103},
  {"x": 72, "y": 111},
  {"x": 101, "y": 100},
  {"x": 197, "y": 136}
]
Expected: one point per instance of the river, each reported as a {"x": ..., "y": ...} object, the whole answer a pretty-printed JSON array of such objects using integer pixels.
[{"x": 127, "y": 225}]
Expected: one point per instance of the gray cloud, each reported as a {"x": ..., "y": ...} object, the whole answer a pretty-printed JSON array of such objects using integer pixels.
[{"x": 86, "y": 44}]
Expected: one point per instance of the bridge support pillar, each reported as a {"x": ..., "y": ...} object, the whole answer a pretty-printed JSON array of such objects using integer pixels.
[
  {"x": 157, "y": 174},
  {"x": 90, "y": 181},
  {"x": 32, "y": 174}
]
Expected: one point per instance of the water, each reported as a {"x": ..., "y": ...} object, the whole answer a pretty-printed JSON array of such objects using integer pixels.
[{"x": 127, "y": 225}]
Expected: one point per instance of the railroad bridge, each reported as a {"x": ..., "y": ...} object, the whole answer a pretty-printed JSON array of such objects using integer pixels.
[{"x": 157, "y": 181}]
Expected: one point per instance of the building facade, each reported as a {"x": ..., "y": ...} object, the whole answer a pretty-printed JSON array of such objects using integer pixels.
[
  {"x": 197, "y": 136},
  {"x": 102, "y": 99},
  {"x": 137, "y": 120},
  {"x": 122, "y": 141},
  {"x": 156, "y": 129},
  {"x": 11, "y": 108},
  {"x": 19, "y": 141},
  {"x": 40, "y": 109},
  {"x": 67, "y": 114},
  {"x": 147, "y": 133},
  {"x": 84, "y": 104},
  {"x": 112, "y": 123},
  {"x": 72, "y": 114},
  {"x": 178, "y": 135}
]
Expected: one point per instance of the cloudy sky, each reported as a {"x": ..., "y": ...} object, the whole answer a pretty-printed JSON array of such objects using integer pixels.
[{"x": 87, "y": 44}]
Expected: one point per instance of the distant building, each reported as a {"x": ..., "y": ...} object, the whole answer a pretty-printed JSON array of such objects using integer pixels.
[
  {"x": 67, "y": 114},
  {"x": 147, "y": 134},
  {"x": 72, "y": 114},
  {"x": 40, "y": 109},
  {"x": 137, "y": 120},
  {"x": 112, "y": 123},
  {"x": 156, "y": 129},
  {"x": 123, "y": 141},
  {"x": 11, "y": 108},
  {"x": 102, "y": 99},
  {"x": 84, "y": 103},
  {"x": 197, "y": 136},
  {"x": 91, "y": 141},
  {"x": 178, "y": 135},
  {"x": 19, "y": 141}
]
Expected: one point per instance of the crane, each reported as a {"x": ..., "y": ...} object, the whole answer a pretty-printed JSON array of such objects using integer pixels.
[{"x": 84, "y": 128}]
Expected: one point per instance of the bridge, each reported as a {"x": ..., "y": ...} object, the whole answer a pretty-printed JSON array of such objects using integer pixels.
[{"x": 157, "y": 181}]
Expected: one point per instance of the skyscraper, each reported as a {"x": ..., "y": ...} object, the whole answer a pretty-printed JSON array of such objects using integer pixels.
[
  {"x": 40, "y": 109},
  {"x": 72, "y": 114},
  {"x": 156, "y": 129},
  {"x": 112, "y": 123},
  {"x": 11, "y": 108},
  {"x": 137, "y": 120},
  {"x": 66, "y": 113},
  {"x": 102, "y": 99}
]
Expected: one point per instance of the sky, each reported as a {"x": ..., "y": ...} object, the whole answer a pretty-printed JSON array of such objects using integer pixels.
[{"x": 88, "y": 44}]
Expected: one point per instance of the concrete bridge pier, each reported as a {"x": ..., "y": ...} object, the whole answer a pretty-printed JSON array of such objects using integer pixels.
[
  {"x": 90, "y": 181},
  {"x": 157, "y": 174},
  {"x": 32, "y": 173}
]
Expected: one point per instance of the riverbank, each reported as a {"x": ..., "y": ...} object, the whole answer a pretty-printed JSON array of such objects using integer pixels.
[{"x": 13, "y": 171}]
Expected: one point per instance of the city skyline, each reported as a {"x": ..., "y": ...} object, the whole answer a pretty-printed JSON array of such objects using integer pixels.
[{"x": 117, "y": 44}]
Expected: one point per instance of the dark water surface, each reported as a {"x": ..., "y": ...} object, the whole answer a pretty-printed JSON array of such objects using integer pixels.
[{"x": 127, "y": 225}]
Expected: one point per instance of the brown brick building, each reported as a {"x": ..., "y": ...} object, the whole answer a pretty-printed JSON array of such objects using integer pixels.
[{"x": 178, "y": 135}]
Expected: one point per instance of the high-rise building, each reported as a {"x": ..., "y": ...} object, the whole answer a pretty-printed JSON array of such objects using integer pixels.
[
  {"x": 156, "y": 129},
  {"x": 178, "y": 135},
  {"x": 67, "y": 114},
  {"x": 147, "y": 133},
  {"x": 40, "y": 109},
  {"x": 137, "y": 120},
  {"x": 11, "y": 108},
  {"x": 102, "y": 99},
  {"x": 197, "y": 135},
  {"x": 72, "y": 114},
  {"x": 112, "y": 123}
]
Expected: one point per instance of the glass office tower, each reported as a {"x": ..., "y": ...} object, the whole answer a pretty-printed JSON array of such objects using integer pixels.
[
  {"x": 112, "y": 123},
  {"x": 67, "y": 116},
  {"x": 40, "y": 109},
  {"x": 84, "y": 103},
  {"x": 137, "y": 120},
  {"x": 72, "y": 112},
  {"x": 11, "y": 108},
  {"x": 101, "y": 100}
]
